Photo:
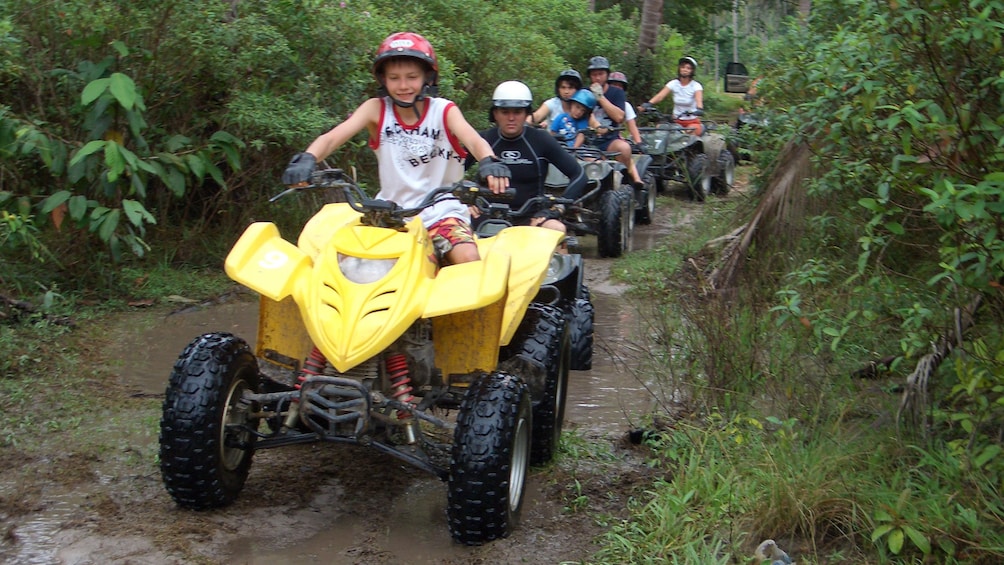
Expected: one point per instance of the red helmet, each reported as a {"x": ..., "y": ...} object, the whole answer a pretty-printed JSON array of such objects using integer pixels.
[
  {"x": 406, "y": 44},
  {"x": 618, "y": 76}
]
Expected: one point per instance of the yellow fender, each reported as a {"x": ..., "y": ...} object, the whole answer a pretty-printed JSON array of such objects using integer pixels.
[{"x": 350, "y": 322}]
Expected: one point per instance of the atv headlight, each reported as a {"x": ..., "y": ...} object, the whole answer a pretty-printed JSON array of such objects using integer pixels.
[
  {"x": 364, "y": 271},
  {"x": 595, "y": 171}
]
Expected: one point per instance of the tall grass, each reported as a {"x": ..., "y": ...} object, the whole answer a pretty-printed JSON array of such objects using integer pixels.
[{"x": 768, "y": 434}]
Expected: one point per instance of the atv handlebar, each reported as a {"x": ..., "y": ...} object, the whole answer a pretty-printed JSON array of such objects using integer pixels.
[
  {"x": 658, "y": 116},
  {"x": 385, "y": 213},
  {"x": 501, "y": 210}
]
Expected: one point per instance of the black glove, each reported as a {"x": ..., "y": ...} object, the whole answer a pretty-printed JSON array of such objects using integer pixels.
[
  {"x": 647, "y": 107},
  {"x": 493, "y": 167},
  {"x": 300, "y": 167},
  {"x": 698, "y": 112}
]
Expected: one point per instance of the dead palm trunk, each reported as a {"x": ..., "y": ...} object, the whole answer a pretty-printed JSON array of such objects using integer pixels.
[
  {"x": 781, "y": 206},
  {"x": 915, "y": 403}
]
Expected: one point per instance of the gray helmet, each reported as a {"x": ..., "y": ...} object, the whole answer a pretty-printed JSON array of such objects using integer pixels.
[
  {"x": 569, "y": 75},
  {"x": 599, "y": 63}
]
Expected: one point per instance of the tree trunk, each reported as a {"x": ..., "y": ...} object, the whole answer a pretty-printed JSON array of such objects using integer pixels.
[
  {"x": 651, "y": 18},
  {"x": 804, "y": 7}
]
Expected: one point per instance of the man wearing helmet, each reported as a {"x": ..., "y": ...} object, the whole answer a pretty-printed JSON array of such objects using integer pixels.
[
  {"x": 528, "y": 152},
  {"x": 417, "y": 150},
  {"x": 569, "y": 82},
  {"x": 610, "y": 105},
  {"x": 688, "y": 96}
]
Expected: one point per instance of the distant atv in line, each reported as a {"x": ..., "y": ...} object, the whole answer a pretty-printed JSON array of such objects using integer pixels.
[{"x": 703, "y": 163}]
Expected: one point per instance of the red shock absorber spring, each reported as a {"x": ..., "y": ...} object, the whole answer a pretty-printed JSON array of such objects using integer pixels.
[
  {"x": 313, "y": 366},
  {"x": 400, "y": 384}
]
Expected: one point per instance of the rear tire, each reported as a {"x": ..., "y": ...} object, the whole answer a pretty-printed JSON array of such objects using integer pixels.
[
  {"x": 540, "y": 354},
  {"x": 626, "y": 194},
  {"x": 608, "y": 238},
  {"x": 490, "y": 458},
  {"x": 660, "y": 185},
  {"x": 206, "y": 444},
  {"x": 581, "y": 317},
  {"x": 645, "y": 214}
]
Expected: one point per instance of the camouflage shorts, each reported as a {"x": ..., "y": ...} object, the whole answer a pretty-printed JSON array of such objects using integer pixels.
[{"x": 448, "y": 233}]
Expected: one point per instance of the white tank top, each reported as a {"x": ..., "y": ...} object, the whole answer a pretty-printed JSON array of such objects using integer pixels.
[{"x": 418, "y": 158}]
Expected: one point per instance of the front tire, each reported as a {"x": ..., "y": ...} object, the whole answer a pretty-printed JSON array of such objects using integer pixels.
[
  {"x": 726, "y": 176},
  {"x": 490, "y": 458},
  {"x": 697, "y": 177},
  {"x": 645, "y": 214},
  {"x": 206, "y": 439},
  {"x": 610, "y": 229}
]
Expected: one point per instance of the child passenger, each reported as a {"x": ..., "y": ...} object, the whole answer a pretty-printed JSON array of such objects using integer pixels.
[{"x": 569, "y": 127}]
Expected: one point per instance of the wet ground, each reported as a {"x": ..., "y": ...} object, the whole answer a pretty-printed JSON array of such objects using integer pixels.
[{"x": 326, "y": 503}]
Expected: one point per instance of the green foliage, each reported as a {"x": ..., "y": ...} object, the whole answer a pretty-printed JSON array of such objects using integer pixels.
[
  {"x": 844, "y": 493},
  {"x": 901, "y": 225},
  {"x": 126, "y": 124},
  {"x": 93, "y": 137},
  {"x": 18, "y": 231},
  {"x": 925, "y": 108}
]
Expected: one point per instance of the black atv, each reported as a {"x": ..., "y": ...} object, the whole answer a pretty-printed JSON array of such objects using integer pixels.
[
  {"x": 607, "y": 209},
  {"x": 563, "y": 287},
  {"x": 703, "y": 163}
]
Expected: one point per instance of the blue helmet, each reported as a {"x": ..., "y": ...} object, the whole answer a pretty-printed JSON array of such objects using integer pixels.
[{"x": 585, "y": 98}]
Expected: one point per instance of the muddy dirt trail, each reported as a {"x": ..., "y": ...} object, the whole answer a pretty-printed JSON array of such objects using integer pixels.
[{"x": 321, "y": 503}]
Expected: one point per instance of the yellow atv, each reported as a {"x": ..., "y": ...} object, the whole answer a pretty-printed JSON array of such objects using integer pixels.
[{"x": 460, "y": 371}]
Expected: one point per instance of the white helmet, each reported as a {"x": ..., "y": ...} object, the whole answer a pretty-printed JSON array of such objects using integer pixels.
[
  {"x": 690, "y": 61},
  {"x": 510, "y": 94}
]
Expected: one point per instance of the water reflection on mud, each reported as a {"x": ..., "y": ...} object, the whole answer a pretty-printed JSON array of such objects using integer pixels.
[
  {"x": 144, "y": 352},
  {"x": 608, "y": 398}
]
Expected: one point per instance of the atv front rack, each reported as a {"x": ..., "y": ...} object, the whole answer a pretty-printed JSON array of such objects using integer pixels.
[{"x": 342, "y": 410}]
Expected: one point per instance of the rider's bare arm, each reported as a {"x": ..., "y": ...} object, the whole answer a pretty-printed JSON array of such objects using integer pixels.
[
  {"x": 614, "y": 112},
  {"x": 366, "y": 116},
  {"x": 659, "y": 96},
  {"x": 538, "y": 116}
]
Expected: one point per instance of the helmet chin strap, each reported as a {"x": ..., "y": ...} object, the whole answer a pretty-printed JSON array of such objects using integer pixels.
[{"x": 421, "y": 96}]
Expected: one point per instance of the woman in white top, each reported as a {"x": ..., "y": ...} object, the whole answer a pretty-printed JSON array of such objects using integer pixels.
[{"x": 688, "y": 96}]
